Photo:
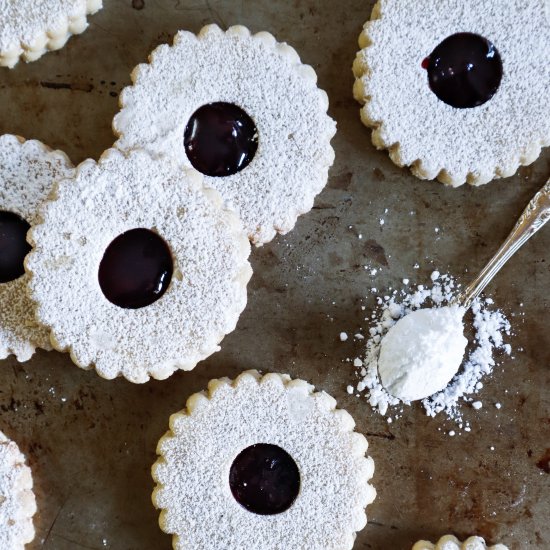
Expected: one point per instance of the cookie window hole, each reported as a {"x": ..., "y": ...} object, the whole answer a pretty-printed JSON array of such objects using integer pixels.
[
  {"x": 136, "y": 269},
  {"x": 220, "y": 139},
  {"x": 264, "y": 479},
  {"x": 13, "y": 246},
  {"x": 464, "y": 70}
]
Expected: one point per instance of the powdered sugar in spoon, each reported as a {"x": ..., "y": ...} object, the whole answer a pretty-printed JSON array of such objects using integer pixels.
[{"x": 422, "y": 352}]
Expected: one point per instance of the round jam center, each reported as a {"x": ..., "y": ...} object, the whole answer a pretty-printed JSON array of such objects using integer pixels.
[
  {"x": 13, "y": 246},
  {"x": 220, "y": 139},
  {"x": 264, "y": 479},
  {"x": 136, "y": 269},
  {"x": 464, "y": 70}
]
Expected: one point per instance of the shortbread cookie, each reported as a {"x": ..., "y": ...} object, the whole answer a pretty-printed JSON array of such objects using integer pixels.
[
  {"x": 449, "y": 542},
  {"x": 456, "y": 89},
  {"x": 17, "y": 502},
  {"x": 136, "y": 269},
  {"x": 243, "y": 110},
  {"x": 262, "y": 462},
  {"x": 28, "y": 170},
  {"x": 31, "y": 27}
]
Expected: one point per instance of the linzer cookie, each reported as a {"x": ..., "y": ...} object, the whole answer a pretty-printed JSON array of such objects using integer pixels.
[
  {"x": 262, "y": 462},
  {"x": 17, "y": 502},
  {"x": 28, "y": 170},
  {"x": 136, "y": 269},
  {"x": 450, "y": 542},
  {"x": 29, "y": 28},
  {"x": 456, "y": 90},
  {"x": 244, "y": 111}
]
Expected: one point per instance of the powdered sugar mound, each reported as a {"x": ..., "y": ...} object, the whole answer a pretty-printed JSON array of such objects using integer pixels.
[
  {"x": 17, "y": 502},
  {"x": 457, "y": 145},
  {"x": 489, "y": 326},
  {"x": 207, "y": 291},
  {"x": 192, "y": 473},
  {"x": 422, "y": 352},
  {"x": 30, "y": 27},
  {"x": 28, "y": 170},
  {"x": 264, "y": 78}
]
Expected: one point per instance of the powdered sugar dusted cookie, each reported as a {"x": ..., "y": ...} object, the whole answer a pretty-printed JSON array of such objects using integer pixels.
[
  {"x": 449, "y": 542},
  {"x": 262, "y": 462},
  {"x": 28, "y": 170},
  {"x": 456, "y": 89},
  {"x": 17, "y": 502},
  {"x": 243, "y": 110},
  {"x": 136, "y": 269},
  {"x": 31, "y": 27}
]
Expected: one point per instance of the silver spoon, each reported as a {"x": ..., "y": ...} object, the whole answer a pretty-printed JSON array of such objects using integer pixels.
[
  {"x": 533, "y": 218},
  {"x": 401, "y": 372}
]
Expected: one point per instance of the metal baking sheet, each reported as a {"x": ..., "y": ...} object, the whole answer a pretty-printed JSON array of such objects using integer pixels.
[{"x": 91, "y": 442}]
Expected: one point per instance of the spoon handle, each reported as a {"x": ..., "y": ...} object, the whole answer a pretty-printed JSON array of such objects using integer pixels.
[{"x": 533, "y": 218}]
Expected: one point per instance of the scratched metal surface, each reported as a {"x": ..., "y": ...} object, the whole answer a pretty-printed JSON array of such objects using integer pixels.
[{"x": 91, "y": 442}]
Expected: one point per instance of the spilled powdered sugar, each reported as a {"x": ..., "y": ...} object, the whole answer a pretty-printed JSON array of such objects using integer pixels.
[{"x": 489, "y": 327}]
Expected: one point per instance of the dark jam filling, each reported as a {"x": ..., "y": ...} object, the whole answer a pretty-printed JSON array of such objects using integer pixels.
[
  {"x": 136, "y": 269},
  {"x": 220, "y": 139},
  {"x": 13, "y": 246},
  {"x": 464, "y": 71},
  {"x": 264, "y": 479}
]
